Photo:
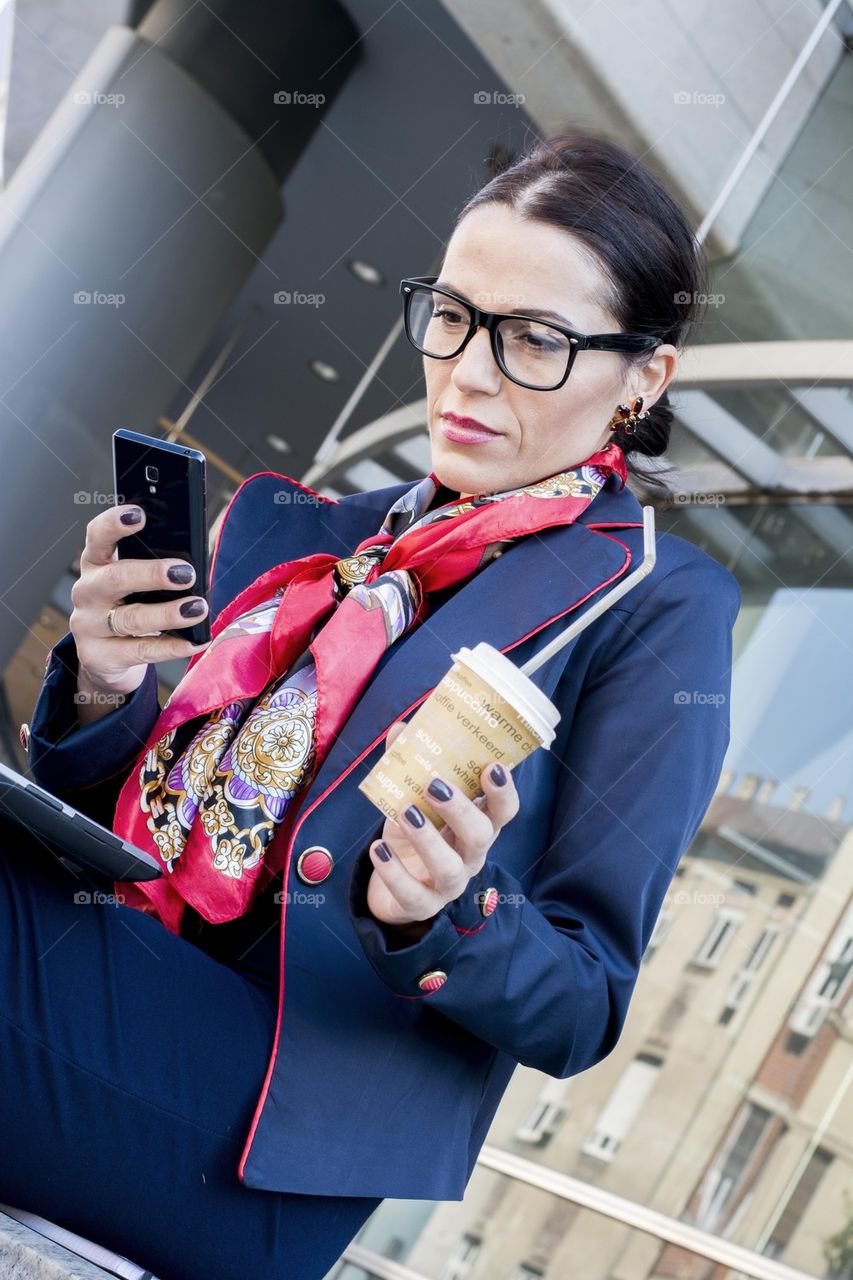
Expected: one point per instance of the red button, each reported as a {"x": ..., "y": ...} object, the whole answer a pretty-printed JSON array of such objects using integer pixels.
[
  {"x": 433, "y": 980},
  {"x": 314, "y": 864},
  {"x": 488, "y": 900},
  {"x": 24, "y": 735}
]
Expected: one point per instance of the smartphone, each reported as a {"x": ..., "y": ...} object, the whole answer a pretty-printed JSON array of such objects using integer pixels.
[{"x": 169, "y": 482}]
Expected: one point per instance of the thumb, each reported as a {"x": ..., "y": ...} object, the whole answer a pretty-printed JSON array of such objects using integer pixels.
[{"x": 397, "y": 727}]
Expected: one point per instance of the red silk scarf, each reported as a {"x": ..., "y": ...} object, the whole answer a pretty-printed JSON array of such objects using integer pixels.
[{"x": 211, "y": 794}]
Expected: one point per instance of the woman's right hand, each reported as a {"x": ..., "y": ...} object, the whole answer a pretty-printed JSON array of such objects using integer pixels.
[{"x": 111, "y": 666}]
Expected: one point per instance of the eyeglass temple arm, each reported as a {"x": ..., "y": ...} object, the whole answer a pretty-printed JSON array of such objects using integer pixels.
[{"x": 621, "y": 342}]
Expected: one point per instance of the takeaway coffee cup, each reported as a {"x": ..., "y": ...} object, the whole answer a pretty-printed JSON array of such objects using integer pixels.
[{"x": 484, "y": 710}]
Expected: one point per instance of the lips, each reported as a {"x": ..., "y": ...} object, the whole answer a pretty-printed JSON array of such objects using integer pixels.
[{"x": 471, "y": 423}]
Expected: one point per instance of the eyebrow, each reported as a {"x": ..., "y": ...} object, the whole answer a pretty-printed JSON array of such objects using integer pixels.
[{"x": 537, "y": 313}]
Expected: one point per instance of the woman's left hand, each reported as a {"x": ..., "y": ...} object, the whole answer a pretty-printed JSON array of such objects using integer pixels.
[{"x": 429, "y": 867}]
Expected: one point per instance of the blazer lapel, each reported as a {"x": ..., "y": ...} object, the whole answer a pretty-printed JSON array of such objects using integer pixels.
[{"x": 536, "y": 580}]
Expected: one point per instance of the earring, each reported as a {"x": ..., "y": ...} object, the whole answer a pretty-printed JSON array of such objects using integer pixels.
[{"x": 628, "y": 418}]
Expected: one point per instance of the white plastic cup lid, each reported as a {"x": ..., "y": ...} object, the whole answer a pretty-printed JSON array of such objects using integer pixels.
[{"x": 514, "y": 687}]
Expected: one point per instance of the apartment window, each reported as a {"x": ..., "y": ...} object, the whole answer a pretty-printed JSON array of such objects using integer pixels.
[
  {"x": 827, "y": 982},
  {"x": 546, "y": 1115},
  {"x": 724, "y": 1177},
  {"x": 527, "y": 1271},
  {"x": 794, "y": 1210},
  {"x": 746, "y": 974},
  {"x": 464, "y": 1258},
  {"x": 622, "y": 1107},
  {"x": 717, "y": 938}
]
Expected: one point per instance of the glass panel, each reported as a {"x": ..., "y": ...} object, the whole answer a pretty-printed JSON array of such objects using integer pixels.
[
  {"x": 768, "y": 547},
  {"x": 507, "y": 1230},
  {"x": 725, "y": 1103},
  {"x": 792, "y": 273},
  {"x": 778, "y": 420}
]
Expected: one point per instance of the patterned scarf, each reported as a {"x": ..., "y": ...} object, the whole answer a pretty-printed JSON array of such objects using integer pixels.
[{"x": 212, "y": 793}]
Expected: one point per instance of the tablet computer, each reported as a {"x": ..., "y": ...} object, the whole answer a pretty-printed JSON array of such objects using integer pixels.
[{"x": 69, "y": 834}]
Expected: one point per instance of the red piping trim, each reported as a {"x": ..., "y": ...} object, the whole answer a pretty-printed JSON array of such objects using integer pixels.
[
  {"x": 616, "y": 524},
  {"x": 459, "y": 929},
  {"x": 335, "y": 781}
]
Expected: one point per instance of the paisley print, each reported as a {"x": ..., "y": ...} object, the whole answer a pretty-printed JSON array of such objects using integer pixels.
[{"x": 214, "y": 784}]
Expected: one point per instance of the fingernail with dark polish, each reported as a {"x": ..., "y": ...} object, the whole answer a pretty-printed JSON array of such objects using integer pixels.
[
  {"x": 439, "y": 790},
  {"x": 182, "y": 573},
  {"x": 498, "y": 775},
  {"x": 133, "y": 516},
  {"x": 383, "y": 851},
  {"x": 192, "y": 608},
  {"x": 414, "y": 816}
]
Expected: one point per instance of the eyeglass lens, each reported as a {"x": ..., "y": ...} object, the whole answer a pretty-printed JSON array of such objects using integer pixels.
[{"x": 532, "y": 351}]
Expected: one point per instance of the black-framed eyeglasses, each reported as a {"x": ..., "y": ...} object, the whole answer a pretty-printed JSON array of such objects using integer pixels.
[{"x": 538, "y": 354}]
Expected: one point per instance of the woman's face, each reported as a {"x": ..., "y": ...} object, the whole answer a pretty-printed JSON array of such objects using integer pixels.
[{"x": 501, "y": 261}]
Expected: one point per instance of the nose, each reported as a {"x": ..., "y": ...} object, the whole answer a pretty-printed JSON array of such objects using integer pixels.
[{"x": 475, "y": 368}]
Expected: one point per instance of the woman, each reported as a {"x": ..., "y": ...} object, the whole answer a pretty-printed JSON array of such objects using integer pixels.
[{"x": 332, "y": 1011}]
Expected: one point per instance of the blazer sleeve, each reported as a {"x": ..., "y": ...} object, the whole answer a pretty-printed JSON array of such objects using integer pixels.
[
  {"x": 86, "y": 765},
  {"x": 548, "y": 976}
]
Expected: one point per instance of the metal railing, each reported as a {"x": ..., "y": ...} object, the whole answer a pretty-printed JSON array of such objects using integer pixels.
[{"x": 627, "y": 1212}]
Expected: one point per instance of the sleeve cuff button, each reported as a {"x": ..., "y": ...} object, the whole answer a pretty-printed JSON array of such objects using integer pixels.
[
  {"x": 432, "y": 980},
  {"x": 24, "y": 735},
  {"x": 488, "y": 900}
]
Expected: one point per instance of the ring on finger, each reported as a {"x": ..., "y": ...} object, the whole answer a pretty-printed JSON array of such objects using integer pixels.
[{"x": 111, "y": 627}]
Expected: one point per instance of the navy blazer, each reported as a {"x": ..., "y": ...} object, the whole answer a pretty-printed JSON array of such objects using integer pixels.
[{"x": 375, "y": 1087}]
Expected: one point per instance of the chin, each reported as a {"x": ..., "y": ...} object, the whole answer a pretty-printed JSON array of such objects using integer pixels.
[
  {"x": 461, "y": 479},
  {"x": 463, "y": 475}
]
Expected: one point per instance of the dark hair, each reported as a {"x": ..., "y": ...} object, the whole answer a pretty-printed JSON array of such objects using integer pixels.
[{"x": 637, "y": 233}]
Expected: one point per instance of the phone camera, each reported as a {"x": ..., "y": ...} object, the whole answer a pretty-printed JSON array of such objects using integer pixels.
[{"x": 152, "y": 474}]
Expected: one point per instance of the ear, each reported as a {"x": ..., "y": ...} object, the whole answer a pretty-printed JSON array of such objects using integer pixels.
[{"x": 653, "y": 378}]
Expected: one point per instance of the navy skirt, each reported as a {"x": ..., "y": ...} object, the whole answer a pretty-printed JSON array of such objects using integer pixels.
[{"x": 131, "y": 1061}]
